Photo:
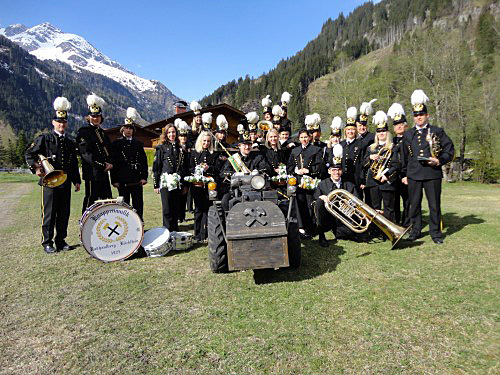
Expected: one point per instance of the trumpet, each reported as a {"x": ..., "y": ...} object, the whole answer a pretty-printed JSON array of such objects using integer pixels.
[
  {"x": 434, "y": 144},
  {"x": 53, "y": 178},
  {"x": 379, "y": 166},
  {"x": 357, "y": 215}
]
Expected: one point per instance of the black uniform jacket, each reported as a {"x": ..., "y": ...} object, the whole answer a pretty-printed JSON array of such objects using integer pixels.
[
  {"x": 309, "y": 158},
  {"x": 326, "y": 186},
  {"x": 169, "y": 158},
  {"x": 254, "y": 161},
  {"x": 352, "y": 161},
  {"x": 415, "y": 144},
  {"x": 393, "y": 165},
  {"x": 366, "y": 140},
  {"x": 211, "y": 159},
  {"x": 65, "y": 157},
  {"x": 95, "y": 150},
  {"x": 273, "y": 158},
  {"x": 131, "y": 163}
]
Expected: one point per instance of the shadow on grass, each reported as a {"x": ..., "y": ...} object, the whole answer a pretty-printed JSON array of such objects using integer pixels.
[
  {"x": 405, "y": 244},
  {"x": 454, "y": 223},
  {"x": 316, "y": 261}
]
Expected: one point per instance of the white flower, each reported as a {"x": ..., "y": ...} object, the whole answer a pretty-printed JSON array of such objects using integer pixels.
[{"x": 170, "y": 181}]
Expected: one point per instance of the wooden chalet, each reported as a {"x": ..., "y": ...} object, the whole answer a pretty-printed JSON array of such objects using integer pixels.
[{"x": 150, "y": 134}]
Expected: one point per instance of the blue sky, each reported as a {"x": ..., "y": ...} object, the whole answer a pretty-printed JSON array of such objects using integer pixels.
[{"x": 192, "y": 47}]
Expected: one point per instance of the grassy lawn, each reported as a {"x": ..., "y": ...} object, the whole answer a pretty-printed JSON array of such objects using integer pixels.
[{"x": 350, "y": 309}]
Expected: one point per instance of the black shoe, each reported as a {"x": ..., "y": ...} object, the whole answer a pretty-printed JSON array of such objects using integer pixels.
[
  {"x": 323, "y": 242},
  {"x": 438, "y": 241},
  {"x": 49, "y": 249},
  {"x": 413, "y": 237},
  {"x": 305, "y": 236},
  {"x": 64, "y": 247}
]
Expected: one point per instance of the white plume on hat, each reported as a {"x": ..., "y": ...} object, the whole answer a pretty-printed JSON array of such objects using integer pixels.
[
  {"x": 252, "y": 117},
  {"x": 285, "y": 97},
  {"x": 316, "y": 118},
  {"x": 337, "y": 123},
  {"x": 176, "y": 122},
  {"x": 61, "y": 104},
  {"x": 222, "y": 123},
  {"x": 337, "y": 151},
  {"x": 395, "y": 109},
  {"x": 182, "y": 125},
  {"x": 366, "y": 108},
  {"x": 312, "y": 121},
  {"x": 206, "y": 118},
  {"x": 379, "y": 118},
  {"x": 267, "y": 102},
  {"x": 352, "y": 112},
  {"x": 93, "y": 99},
  {"x": 419, "y": 97},
  {"x": 277, "y": 111},
  {"x": 195, "y": 107},
  {"x": 132, "y": 114},
  {"x": 240, "y": 128}
]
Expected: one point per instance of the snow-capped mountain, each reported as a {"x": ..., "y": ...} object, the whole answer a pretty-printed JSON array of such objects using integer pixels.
[{"x": 46, "y": 42}]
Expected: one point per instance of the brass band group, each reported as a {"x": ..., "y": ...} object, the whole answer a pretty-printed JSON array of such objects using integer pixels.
[{"x": 194, "y": 163}]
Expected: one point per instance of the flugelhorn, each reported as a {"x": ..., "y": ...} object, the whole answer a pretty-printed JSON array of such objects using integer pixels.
[
  {"x": 379, "y": 166},
  {"x": 357, "y": 215},
  {"x": 264, "y": 125},
  {"x": 53, "y": 178}
]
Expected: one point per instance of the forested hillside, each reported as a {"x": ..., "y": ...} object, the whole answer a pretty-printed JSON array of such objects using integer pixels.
[{"x": 368, "y": 27}]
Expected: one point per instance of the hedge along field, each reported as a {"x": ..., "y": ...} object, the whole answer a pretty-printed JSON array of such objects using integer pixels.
[{"x": 352, "y": 308}]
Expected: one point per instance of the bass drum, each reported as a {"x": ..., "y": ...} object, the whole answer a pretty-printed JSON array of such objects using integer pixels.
[
  {"x": 157, "y": 242},
  {"x": 111, "y": 230}
]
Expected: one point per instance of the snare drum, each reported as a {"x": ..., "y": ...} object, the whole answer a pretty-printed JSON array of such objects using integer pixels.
[
  {"x": 157, "y": 242},
  {"x": 182, "y": 240},
  {"x": 111, "y": 230}
]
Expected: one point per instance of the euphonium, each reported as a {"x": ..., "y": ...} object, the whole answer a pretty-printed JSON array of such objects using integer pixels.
[
  {"x": 379, "y": 166},
  {"x": 357, "y": 215},
  {"x": 53, "y": 178}
]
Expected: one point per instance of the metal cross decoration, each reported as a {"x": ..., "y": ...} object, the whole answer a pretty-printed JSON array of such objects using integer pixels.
[{"x": 255, "y": 214}]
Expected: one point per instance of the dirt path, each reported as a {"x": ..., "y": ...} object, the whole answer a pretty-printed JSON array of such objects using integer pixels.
[{"x": 10, "y": 193}]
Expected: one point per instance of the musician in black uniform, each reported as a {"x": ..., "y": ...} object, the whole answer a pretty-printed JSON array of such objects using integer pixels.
[
  {"x": 423, "y": 162},
  {"x": 95, "y": 150},
  {"x": 382, "y": 153},
  {"x": 170, "y": 159},
  {"x": 130, "y": 171},
  {"x": 197, "y": 122},
  {"x": 253, "y": 160},
  {"x": 202, "y": 156},
  {"x": 267, "y": 112},
  {"x": 335, "y": 138},
  {"x": 397, "y": 113},
  {"x": 61, "y": 152},
  {"x": 326, "y": 221},
  {"x": 305, "y": 160},
  {"x": 353, "y": 153},
  {"x": 273, "y": 153},
  {"x": 186, "y": 145},
  {"x": 365, "y": 138}
]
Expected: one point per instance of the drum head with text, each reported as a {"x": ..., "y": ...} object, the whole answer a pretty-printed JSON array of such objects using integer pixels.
[{"x": 111, "y": 231}]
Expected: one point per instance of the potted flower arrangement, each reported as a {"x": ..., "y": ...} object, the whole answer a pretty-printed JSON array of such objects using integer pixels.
[{"x": 198, "y": 179}]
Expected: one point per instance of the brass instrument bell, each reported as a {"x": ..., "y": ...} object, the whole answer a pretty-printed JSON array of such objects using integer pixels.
[
  {"x": 357, "y": 215},
  {"x": 53, "y": 178},
  {"x": 265, "y": 125}
]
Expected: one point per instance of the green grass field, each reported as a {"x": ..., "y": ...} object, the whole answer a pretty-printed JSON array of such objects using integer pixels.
[{"x": 350, "y": 309}]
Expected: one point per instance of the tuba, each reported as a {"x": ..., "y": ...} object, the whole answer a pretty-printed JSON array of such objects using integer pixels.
[
  {"x": 53, "y": 178},
  {"x": 379, "y": 166},
  {"x": 357, "y": 215}
]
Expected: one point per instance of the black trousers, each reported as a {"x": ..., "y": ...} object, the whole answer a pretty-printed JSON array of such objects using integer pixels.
[
  {"x": 401, "y": 193},
  {"x": 134, "y": 192},
  {"x": 326, "y": 221},
  {"x": 305, "y": 204},
  {"x": 56, "y": 205},
  {"x": 170, "y": 203},
  {"x": 432, "y": 190},
  {"x": 378, "y": 197},
  {"x": 95, "y": 190},
  {"x": 201, "y": 205},
  {"x": 184, "y": 199}
]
